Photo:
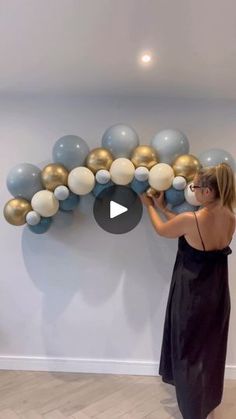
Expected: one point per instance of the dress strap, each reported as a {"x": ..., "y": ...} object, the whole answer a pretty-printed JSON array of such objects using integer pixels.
[{"x": 199, "y": 231}]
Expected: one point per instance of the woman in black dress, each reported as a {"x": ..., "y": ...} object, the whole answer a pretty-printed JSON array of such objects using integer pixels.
[{"x": 197, "y": 315}]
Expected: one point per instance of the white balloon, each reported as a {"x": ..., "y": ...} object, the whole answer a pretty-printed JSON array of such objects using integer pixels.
[
  {"x": 81, "y": 180},
  {"x": 61, "y": 192},
  {"x": 103, "y": 176},
  {"x": 190, "y": 196},
  {"x": 161, "y": 176},
  {"x": 33, "y": 218},
  {"x": 179, "y": 183},
  {"x": 141, "y": 173},
  {"x": 45, "y": 203},
  {"x": 122, "y": 171}
]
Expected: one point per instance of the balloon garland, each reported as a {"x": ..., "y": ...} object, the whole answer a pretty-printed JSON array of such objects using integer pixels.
[{"x": 164, "y": 165}]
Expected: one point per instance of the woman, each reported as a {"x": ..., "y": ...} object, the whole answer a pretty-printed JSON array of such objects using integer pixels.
[{"x": 197, "y": 316}]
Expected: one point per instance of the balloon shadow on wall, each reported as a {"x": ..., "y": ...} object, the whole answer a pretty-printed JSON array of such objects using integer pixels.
[
  {"x": 162, "y": 253},
  {"x": 70, "y": 258},
  {"x": 74, "y": 256},
  {"x": 147, "y": 260}
]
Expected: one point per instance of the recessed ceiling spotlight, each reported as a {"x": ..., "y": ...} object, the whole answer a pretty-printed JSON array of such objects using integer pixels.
[{"x": 146, "y": 58}]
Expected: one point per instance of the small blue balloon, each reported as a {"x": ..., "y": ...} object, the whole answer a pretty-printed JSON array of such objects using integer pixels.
[
  {"x": 71, "y": 151},
  {"x": 215, "y": 156},
  {"x": 120, "y": 140},
  {"x": 174, "y": 196},
  {"x": 138, "y": 186},
  {"x": 42, "y": 227},
  {"x": 70, "y": 203},
  {"x": 24, "y": 180},
  {"x": 99, "y": 187},
  {"x": 184, "y": 207}
]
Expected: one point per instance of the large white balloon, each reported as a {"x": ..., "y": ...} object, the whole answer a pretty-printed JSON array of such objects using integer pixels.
[
  {"x": 161, "y": 176},
  {"x": 81, "y": 180},
  {"x": 122, "y": 171},
  {"x": 190, "y": 196},
  {"x": 45, "y": 203}
]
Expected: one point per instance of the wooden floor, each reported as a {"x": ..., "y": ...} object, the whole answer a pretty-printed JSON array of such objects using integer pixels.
[{"x": 37, "y": 395}]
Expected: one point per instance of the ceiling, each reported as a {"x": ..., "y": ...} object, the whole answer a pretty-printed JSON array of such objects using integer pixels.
[{"x": 92, "y": 47}]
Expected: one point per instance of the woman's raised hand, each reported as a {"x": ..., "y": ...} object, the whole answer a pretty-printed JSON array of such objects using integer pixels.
[
  {"x": 159, "y": 200},
  {"x": 146, "y": 200}
]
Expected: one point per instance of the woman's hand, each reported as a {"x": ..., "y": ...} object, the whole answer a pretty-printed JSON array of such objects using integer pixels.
[
  {"x": 146, "y": 200},
  {"x": 159, "y": 200}
]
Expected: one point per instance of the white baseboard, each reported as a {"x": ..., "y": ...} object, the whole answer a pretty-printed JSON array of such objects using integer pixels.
[
  {"x": 95, "y": 366},
  {"x": 103, "y": 366}
]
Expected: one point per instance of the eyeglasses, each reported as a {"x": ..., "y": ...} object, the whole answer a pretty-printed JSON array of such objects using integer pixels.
[{"x": 193, "y": 187}]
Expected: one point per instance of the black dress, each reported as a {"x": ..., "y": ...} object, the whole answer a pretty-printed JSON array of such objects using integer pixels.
[{"x": 196, "y": 326}]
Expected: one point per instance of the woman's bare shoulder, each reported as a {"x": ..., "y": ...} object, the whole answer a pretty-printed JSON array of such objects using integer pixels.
[
  {"x": 219, "y": 215},
  {"x": 233, "y": 221}
]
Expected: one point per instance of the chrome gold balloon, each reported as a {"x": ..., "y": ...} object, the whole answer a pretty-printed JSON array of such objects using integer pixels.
[
  {"x": 53, "y": 175},
  {"x": 145, "y": 156},
  {"x": 99, "y": 158},
  {"x": 187, "y": 166},
  {"x": 15, "y": 211},
  {"x": 152, "y": 192}
]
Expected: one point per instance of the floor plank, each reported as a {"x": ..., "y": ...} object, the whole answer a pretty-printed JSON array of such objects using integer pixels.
[{"x": 45, "y": 395}]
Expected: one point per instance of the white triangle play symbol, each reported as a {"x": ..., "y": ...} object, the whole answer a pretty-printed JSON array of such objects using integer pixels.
[{"x": 116, "y": 209}]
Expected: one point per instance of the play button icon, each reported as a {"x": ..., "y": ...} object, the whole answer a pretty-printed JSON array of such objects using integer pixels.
[{"x": 117, "y": 209}]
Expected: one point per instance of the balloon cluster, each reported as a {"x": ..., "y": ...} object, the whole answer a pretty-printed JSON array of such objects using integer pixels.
[{"x": 164, "y": 165}]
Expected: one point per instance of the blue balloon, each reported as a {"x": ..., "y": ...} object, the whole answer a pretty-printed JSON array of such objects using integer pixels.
[
  {"x": 70, "y": 203},
  {"x": 215, "y": 156},
  {"x": 98, "y": 188},
  {"x": 71, "y": 151},
  {"x": 120, "y": 140},
  {"x": 24, "y": 180},
  {"x": 138, "y": 186},
  {"x": 42, "y": 227},
  {"x": 174, "y": 196},
  {"x": 184, "y": 207},
  {"x": 169, "y": 144}
]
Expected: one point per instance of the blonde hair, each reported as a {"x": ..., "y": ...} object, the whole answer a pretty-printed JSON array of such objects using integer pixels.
[{"x": 221, "y": 179}]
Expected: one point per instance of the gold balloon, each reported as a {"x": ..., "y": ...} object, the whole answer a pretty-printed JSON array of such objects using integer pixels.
[
  {"x": 152, "y": 192},
  {"x": 145, "y": 156},
  {"x": 15, "y": 211},
  {"x": 187, "y": 166},
  {"x": 99, "y": 158},
  {"x": 53, "y": 175}
]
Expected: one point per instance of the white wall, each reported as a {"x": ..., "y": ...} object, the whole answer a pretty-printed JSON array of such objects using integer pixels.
[{"x": 78, "y": 298}]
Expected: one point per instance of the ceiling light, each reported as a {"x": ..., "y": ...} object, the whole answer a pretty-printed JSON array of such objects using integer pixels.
[{"x": 146, "y": 58}]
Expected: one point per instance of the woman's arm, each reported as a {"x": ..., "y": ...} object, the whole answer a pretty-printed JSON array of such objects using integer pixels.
[
  {"x": 161, "y": 204},
  {"x": 168, "y": 214},
  {"x": 176, "y": 227},
  {"x": 179, "y": 225}
]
